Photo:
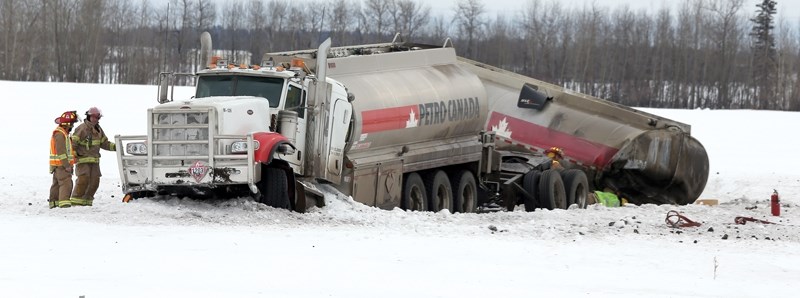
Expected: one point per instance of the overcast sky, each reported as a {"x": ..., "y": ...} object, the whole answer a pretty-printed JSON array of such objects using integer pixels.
[{"x": 789, "y": 9}]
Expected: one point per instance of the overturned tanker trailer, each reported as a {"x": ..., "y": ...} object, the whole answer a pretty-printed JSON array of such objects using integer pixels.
[
  {"x": 644, "y": 157},
  {"x": 403, "y": 125}
]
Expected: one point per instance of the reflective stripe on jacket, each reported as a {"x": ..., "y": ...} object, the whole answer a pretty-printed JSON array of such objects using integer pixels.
[
  {"x": 61, "y": 151},
  {"x": 88, "y": 139}
]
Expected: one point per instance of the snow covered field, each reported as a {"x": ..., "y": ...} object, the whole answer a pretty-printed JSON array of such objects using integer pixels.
[{"x": 238, "y": 248}]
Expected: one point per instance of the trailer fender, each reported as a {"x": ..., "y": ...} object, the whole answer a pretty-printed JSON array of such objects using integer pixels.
[{"x": 269, "y": 144}]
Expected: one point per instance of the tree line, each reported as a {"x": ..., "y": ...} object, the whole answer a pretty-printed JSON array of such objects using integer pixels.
[{"x": 701, "y": 54}]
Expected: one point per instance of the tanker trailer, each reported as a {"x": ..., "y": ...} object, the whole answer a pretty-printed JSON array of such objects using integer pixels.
[
  {"x": 413, "y": 141},
  {"x": 415, "y": 126},
  {"x": 403, "y": 125},
  {"x": 644, "y": 157}
]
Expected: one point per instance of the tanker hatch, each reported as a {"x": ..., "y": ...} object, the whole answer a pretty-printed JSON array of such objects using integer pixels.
[{"x": 531, "y": 98}]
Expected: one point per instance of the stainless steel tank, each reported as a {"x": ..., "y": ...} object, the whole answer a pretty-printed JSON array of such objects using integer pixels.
[{"x": 403, "y": 98}]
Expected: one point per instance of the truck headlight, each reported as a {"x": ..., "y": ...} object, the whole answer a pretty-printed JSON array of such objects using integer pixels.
[
  {"x": 137, "y": 148},
  {"x": 240, "y": 147}
]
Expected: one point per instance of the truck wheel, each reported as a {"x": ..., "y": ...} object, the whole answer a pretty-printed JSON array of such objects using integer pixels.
[
  {"x": 530, "y": 184},
  {"x": 465, "y": 192},
  {"x": 274, "y": 188},
  {"x": 414, "y": 197},
  {"x": 577, "y": 186},
  {"x": 551, "y": 190},
  {"x": 440, "y": 192}
]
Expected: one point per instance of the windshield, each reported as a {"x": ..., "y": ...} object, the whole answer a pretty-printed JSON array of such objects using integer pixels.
[{"x": 269, "y": 88}]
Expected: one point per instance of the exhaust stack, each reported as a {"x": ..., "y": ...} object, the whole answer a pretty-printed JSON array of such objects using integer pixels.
[{"x": 205, "y": 49}]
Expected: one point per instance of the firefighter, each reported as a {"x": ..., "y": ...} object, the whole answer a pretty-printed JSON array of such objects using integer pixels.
[
  {"x": 62, "y": 160},
  {"x": 556, "y": 155},
  {"x": 88, "y": 139}
]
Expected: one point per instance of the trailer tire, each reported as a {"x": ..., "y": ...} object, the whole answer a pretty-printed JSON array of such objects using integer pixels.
[
  {"x": 551, "y": 190},
  {"x": 274, "y": 188},
  {"x": 576, "y": 185},
  {"x": 530, "y": 184},
  {"x": 440, "y": 192},
  {"x": 465, "y": 192},
  {"x": 414, "y": 195}
]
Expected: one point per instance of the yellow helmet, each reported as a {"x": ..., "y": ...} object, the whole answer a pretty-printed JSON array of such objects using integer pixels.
[{"x": 554, "y": 152}]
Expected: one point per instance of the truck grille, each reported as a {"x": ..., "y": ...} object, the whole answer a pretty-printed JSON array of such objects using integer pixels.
[{"x": 180, "y": 134}]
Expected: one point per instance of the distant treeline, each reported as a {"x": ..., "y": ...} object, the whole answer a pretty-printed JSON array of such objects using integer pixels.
[{"x": 703, "y": 54}]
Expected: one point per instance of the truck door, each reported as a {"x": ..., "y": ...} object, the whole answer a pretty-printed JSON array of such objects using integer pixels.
[
  {"x": 341, "y": 113},
  {"x": 296, "y": 101}
]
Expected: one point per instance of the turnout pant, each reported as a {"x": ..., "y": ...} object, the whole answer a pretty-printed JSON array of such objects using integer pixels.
[
  {"x": 62, "y": 185},
  {"x": 87, "y": 184}
]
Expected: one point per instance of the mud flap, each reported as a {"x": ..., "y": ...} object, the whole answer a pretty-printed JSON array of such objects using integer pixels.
[{"x": 307, "y": 195}]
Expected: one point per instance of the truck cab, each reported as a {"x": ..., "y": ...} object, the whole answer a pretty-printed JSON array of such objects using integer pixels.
[
  {"x": 244, "y": 129},
  {"x": 280, "y": 89}
]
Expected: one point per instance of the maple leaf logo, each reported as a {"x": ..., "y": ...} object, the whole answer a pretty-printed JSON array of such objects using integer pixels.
[
  {"x": 502, "y": 128},
  {"x": 412, "y": 120}
]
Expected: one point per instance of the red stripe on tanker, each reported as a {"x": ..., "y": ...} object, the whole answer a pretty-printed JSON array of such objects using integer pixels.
[
  {"x": 431, "y": 113},
  {"x": 389, "y": 119},
  {"x": 579, "y": 149}
]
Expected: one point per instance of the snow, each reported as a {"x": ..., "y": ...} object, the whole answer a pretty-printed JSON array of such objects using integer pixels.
[{"x": 173, "y": 247}]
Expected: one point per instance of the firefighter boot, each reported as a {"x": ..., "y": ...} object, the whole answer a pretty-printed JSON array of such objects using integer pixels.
[
  {"x": 64, "y": 204},
  {"x": 53, "y": 204},
  {"x": 80, "y": 201}
]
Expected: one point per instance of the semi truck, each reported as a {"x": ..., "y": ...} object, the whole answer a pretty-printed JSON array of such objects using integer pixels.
[{"x": 403, "y": 125}]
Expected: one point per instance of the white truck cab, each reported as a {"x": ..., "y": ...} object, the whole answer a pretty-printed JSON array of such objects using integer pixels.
[{"x": 242, "y": 122}]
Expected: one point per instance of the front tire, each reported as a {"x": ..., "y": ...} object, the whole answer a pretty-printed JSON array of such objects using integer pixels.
[{"x": 274, "y": 188}]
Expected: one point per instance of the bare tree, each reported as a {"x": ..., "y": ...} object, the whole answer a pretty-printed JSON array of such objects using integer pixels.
[
  {"x": 469, "y": 20},
  {"x": 342, "y": 19},
  {"x": 662, "y": 65},
  {"x": 498, "y": 42},
  {"x": 438, "y": 30},
  {"x": 260, "y": 30},
  {"x": 724, "y": 30},
  {"x": 409, "y": 16},
  {"x": 297, "y": 26},
  {"x": 277, "y": 12},
  {"x": 376, "y": 18},
  {"x": 317, "y": 13},
  {"x": 234, "y": 24}
]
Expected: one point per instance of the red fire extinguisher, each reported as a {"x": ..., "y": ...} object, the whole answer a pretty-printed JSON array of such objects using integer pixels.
[{"x": 776, "y": 203}]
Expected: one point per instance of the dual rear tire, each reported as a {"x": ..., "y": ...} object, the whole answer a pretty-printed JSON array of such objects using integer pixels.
[
  {"x": 438, "y": 192},
  {"x": 555, "y": 189}
]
